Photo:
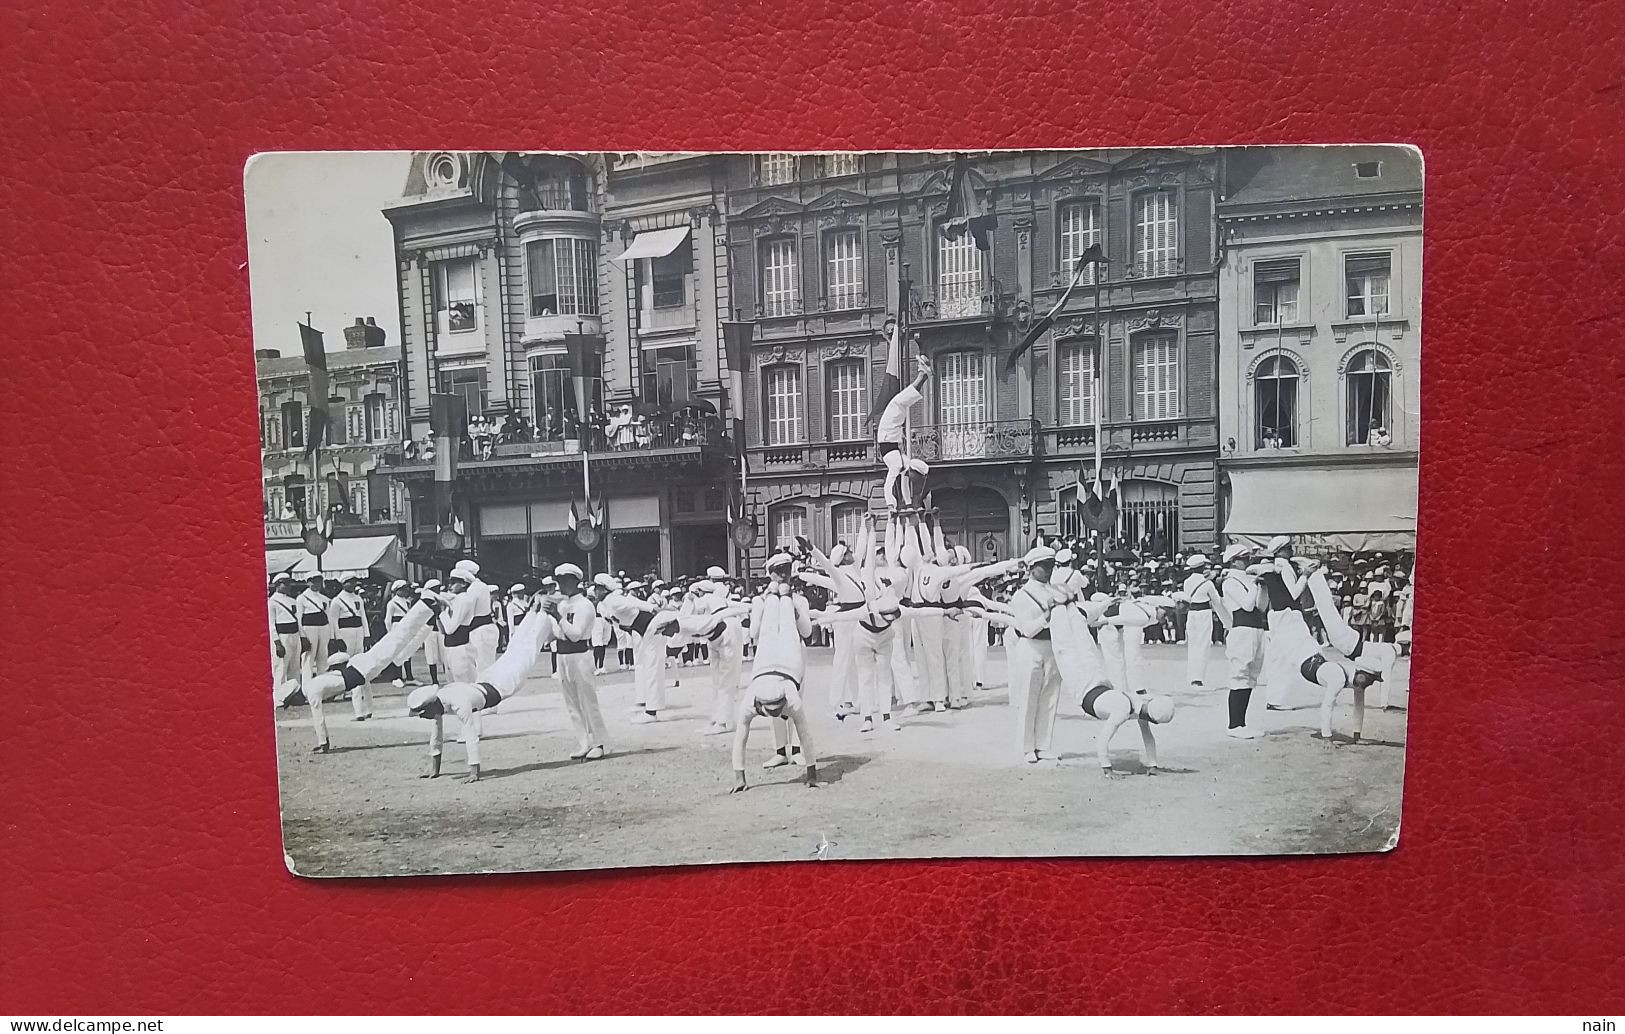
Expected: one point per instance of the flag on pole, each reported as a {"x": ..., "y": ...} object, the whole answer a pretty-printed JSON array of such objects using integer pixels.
[
  {"x": 963, "y": 216},
  {"x": 586, "y": 355},
  {"x": 336, "y": 490},
  {"x": 574, "y": 518},
  {"x": 1038, "y": 329},
  {"x": 316, "y": 359},
  {"x": 736, "y": 338},
  {"x": 597, "y": 511}
]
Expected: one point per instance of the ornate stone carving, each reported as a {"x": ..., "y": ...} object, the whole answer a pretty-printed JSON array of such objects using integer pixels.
[
  {"x": 779, "y": 354},
  {"x": 1155, "y": 318},
  {"x": 842, "y": 349}
]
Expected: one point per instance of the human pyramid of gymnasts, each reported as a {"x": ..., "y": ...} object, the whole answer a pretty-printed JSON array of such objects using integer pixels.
[{"x": 909, "y": 621}]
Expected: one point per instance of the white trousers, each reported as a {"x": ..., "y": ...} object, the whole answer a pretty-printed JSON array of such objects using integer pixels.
[
  {"x": 1198, "y": 638},
  {"x": 286, "y": 667},
  {"x": 1033, "y": 668},
  {"x": 978, "y": 651},
  {"x": 1120, "y": 645},
  {"x": 483, "y": 642},
  {"x": 956, "y": 658},
  {"x": 726, "y": 660},
  {"x": 844, "y": 672},
  {"x": 581, "y": 699},
  {"x": 905, "y": 676},
  {"x": 1283, "y": 656},
  {"x": 874, "y": 653},
  {"x": 931, "y": 656},
  {"x": 649, "y": 672},
  {"x": 460, "y": 664}
]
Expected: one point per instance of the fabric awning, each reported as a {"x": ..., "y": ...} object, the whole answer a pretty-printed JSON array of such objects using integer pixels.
[
  {"x": 654, "y": 244},
  {"x": 1358, "y": 509},
  {"x": 278, "y": 561},
  {"x": 379, "y": 553}
]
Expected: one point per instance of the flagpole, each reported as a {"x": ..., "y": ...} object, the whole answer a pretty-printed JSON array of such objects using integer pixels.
[{"x": 315, "y": 461}]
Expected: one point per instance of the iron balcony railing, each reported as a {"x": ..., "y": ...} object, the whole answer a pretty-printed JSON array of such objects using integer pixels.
[{"x": 991, "y": 440}]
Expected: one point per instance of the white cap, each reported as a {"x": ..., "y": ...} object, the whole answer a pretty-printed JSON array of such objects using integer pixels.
[
  {"x": 715, "y": 572},
  {"x": 1197, "y": 561},
  {"x": 460, "y": 574},
  {"x": 1039, "y": 555},
  {"x": 337, "y": 660},
  {"x": 837, "y": 554},
  {"x": 420, "y": 697},
  {"x": 432, "y": 583},
  {"x": 517, "y": 587},
  {"x": 778, "y": 560},
  {"x": 467, "y": 565},
  {"x": 1277, "y": 544},
  {"x": 606, "y": 580},
  {"x": 568, "y": 569},
  {"x": 1238, "y": 550},
  {"x": 703, "y": 586},
  {"x": 1064, "y": 556},
  {"x": 397, "y": 585}
]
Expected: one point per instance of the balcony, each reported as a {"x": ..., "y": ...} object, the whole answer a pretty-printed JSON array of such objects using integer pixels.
[
  {"x": 953, "y": 303},
  {"x": 995, "y": 440},
  {"x": 651, "y": 442},
  {"x": 1130, "y": 436}
]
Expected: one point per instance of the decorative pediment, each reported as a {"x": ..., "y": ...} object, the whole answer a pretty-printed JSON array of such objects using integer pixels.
[
  {"x": 844, "y": 348},
  {"x": 1152, "y": 158},
  {"x": 770, "y": 206},
  {"x": 839, "y": 199},
  {"x": 779, "y": 354},
  {"x": 1076, "y": 167}
]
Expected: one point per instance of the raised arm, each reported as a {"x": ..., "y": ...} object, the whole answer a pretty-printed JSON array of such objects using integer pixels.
[{"x": 866, "y": 554}]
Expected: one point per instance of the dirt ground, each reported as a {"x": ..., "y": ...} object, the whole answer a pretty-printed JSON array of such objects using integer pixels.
[{"x": 946, "y": 785}]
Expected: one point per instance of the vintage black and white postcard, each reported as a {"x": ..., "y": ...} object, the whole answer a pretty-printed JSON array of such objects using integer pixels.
[{"x": 633, "y": 508}]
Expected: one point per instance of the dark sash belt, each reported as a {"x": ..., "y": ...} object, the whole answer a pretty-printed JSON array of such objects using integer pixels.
[
  {"x": 459, "y": 637},
  {"x": 1094, "y": 694},
  {"x": 349, "y": 622},
  {"x": 640, "y": 624},
  {"x": 1201, "y": 606},
  {"x": 287, "y": 627},
  {"x": 353, "y": 679},
  {"x": 569, "y": 646},
  {"x": 716, "y": 633},
  {"x": 849, "y": 606},
  {"x": 492, "y": 697},
  {"x": 314, "y": 620}
]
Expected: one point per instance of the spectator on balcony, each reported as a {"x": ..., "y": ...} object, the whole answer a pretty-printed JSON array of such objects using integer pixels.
[
  {"x": 1378, "y": 437},
  {"x": 1272, "y": 438},
  {"x": 289, "y": 513},
  {"x": 619, "y": 429}
]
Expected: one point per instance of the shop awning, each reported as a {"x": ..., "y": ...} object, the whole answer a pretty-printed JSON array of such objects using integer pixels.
[
  {"x": 654, "y": 244},
  {"x": 278, "y": 561},
  {"x": 375, "y": 553},
  {"x": 1357, "y": 509}
]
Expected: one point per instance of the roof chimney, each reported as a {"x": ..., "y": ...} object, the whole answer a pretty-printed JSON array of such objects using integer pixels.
[{"x": 267, "y": 353}]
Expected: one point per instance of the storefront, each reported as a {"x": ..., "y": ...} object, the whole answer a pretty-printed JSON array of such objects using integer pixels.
[{"x": 1334, "y": 508}]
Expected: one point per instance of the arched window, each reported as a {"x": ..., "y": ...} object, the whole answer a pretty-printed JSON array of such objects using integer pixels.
[
  {"x": 845, "y": 521},
  {"x": 1275, "y": 403},
  {"x": 1370, "y": 397},
  {"x": 786, "y": 522}
]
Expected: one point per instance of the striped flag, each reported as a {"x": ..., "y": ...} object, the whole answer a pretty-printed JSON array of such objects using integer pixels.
[
  {"x": 574, "y": 519},
  {"x": 316, "y": 359},
  {"x": 1040, "y": 328},
  {"x": 891, "y": 382}
]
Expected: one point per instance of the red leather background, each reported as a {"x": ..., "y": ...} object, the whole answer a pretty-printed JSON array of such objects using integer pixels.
[{"x": 141, "y": 855}]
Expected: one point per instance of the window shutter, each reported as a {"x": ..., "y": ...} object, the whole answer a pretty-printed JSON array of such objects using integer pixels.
[{"x": 1276, "y": 271}]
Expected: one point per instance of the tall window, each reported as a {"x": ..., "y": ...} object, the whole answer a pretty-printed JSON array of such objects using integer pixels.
[
  {"x": 456, "y": 296},
  {"x": 1275, "y": 291},
  {"x": 1275, "y": 401},
  {"x": 781, "y": 281},
  {"x": 468, "y": 382},
  {"x": 562, "y": 275},
  {"x": 845, "y": 522},
  {"x": 271, "y": 430},
  {"x": 1156, "y": 233},
  {"x": 961, "y": 388},
  {"x": 1077, "y": 383},
  {"x": 1156, "y": 377},
  {"x": 847, "y": 401},
  {"x": 339, "y": 418},
  {"x": 844, "y": 164},
  {"x": 1080, "y": 227},
  {"x": 1367, "y": 279},
  {"x": 1370, "y": 390},
  {"x": 787, "y": 522},
  {"x": 959, "y": 276},
  {"x": 374, "y": 417},
  {"x": 669, "y": 375},
  {"x": 668, "y": 277},
  {"x": 843, "y": 269},
  {"x": 775, "y": 169},
  {"x": 293, "y": 425},
  {"x": 552, "y": 395},
  {"x": 782, "y": 388}
]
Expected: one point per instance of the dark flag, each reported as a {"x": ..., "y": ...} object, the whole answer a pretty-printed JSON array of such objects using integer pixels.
[
  {"x": 891, "y": 382},
  {"x": 586, "y": 355},
  {"x": 962, "y": 216},
  {"x": 316, "y": 360},
  {"x": 448, "y": 419},
  {"x": 736, "y": 338},
  {"x": 1039, "y": 329},
  {"x": 336, "y": 491}
]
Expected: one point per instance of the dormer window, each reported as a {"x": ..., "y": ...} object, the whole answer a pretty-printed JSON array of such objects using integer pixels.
[
  {"x": 1367, "y": 170},
  {"x": 442, "y": 169}
]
